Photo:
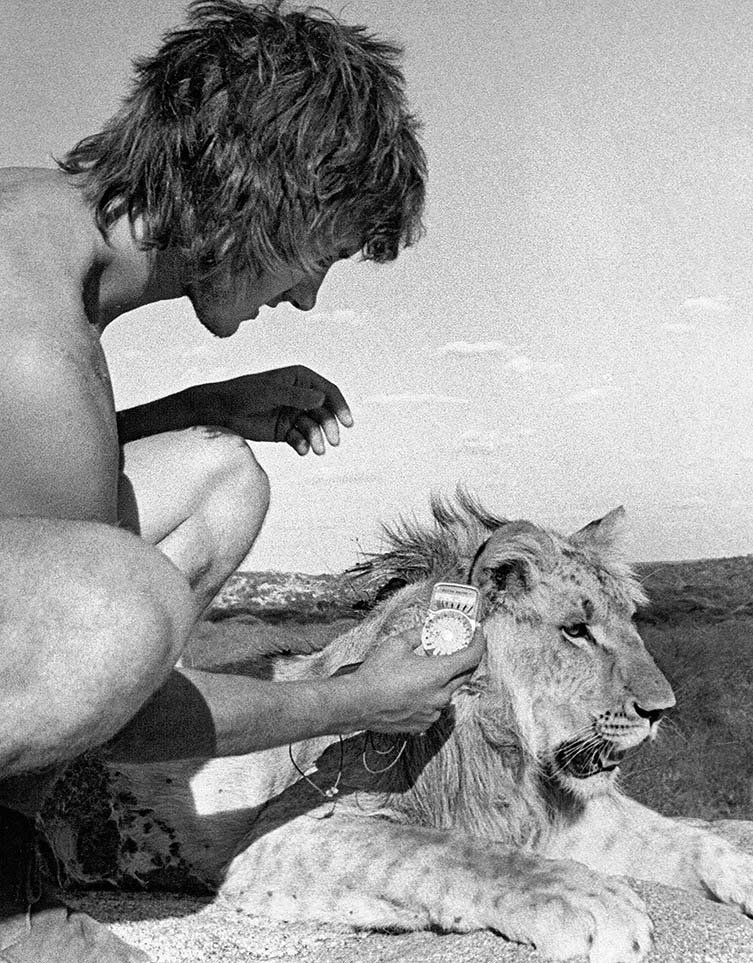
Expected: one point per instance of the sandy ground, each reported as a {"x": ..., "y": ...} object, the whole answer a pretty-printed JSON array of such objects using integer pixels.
[{"x": 179, "y": 929}]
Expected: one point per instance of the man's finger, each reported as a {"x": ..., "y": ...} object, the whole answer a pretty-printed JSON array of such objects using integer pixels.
[
  {"x": 335, "y": 400},
  {"x": 311, "y": 432},
  {"x": 297, "y": 442},
  {"x": 328, "y": 423}
]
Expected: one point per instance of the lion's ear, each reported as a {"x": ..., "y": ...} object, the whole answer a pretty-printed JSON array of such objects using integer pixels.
[
  {"x": 510, "y": 559},
  {"x": 512, "y": 576},
  {"x": 603, "y": 534}
]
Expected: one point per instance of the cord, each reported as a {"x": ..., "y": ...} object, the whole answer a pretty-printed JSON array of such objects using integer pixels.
[{"x": 334, "y": 789}]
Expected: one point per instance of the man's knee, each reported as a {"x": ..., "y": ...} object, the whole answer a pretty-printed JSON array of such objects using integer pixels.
[
  {"x": 92, "y": 627},
  {"x": 237, "y": 494},
  {"x": 246, "y": 480}
]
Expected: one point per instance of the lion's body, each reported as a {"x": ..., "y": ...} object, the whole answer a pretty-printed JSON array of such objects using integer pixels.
[{"x": 504, "y": 816}]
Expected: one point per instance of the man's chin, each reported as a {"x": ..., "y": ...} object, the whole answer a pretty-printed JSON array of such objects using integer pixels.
[
  {"x": 221, "y": 326},
  {"x": 220, "y": 323}
]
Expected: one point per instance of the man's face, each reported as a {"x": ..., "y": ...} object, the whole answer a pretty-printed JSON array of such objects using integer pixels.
[{"x": 223, "y": 306}]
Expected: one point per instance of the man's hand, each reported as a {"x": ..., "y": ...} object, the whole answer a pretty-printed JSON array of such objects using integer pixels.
[
  {"x": 404, "y": 690},
  {"x": 294, "y": 405}
]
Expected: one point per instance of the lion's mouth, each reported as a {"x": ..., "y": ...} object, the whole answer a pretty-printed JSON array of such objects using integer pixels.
[{"x": 583, "y": 760}]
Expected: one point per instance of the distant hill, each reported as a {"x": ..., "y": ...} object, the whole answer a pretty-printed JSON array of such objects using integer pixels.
[{"x": 716, "y": 588}]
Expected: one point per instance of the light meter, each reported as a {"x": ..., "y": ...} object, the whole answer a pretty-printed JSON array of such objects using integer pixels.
[{"x": 451, "y": 619}]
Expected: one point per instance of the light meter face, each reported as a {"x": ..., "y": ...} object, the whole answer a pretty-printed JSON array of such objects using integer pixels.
[
  {"x": 451, "y": 620},
  {"x": 451, "y": 595}
]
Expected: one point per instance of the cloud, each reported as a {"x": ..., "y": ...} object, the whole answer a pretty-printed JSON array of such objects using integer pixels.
[
  {"x": 587, "y": 396},
  {"x": 514, "y": 361},
  {"x": 677, "y": 327},
  {"x": 692, "y": 502},
  {"x": 521, "y": 364},
  {"x": 415, "y": 398},
  {"x": 466, "y": 349},
  {"x": 483, "y": 442},
  {"x": 719, "y": 304}
]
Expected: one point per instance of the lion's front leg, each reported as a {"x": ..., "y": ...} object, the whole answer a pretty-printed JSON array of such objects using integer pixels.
[
  {"x": 373, "y": 873},
  {"x": 622, "y": 838}
]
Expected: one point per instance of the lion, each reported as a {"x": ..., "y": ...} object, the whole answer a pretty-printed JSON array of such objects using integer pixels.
[{"x": 506, "y": 815}]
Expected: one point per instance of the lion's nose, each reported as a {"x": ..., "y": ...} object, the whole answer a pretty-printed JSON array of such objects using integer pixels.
[{"x": 653, "y": 715}]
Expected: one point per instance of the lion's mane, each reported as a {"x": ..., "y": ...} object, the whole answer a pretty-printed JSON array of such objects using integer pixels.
[{"x": 471, "y": 771}]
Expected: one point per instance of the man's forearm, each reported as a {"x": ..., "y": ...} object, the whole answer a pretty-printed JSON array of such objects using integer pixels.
[
  {"x": 172, "y": 413},
  {"x": 206, "y": 714}
]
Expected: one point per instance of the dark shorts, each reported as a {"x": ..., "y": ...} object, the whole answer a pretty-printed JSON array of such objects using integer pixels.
[{"x": 20, "y": 862}]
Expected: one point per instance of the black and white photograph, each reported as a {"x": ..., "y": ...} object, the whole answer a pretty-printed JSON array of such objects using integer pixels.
[{"x": 376, "y": 481}]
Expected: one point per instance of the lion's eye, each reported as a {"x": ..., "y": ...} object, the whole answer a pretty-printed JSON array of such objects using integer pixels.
[{"x": 577, "y": 632}]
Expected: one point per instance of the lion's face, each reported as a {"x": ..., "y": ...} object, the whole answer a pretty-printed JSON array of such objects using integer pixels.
[{"x": 562, "y": 644}]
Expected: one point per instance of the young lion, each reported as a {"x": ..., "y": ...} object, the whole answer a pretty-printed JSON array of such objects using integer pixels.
[{"x": 505, "y": 816}]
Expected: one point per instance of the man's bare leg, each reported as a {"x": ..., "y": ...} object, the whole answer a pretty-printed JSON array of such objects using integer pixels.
[
  {"x": 93, "y": 620},
  {"x": 200, "y": 497}
]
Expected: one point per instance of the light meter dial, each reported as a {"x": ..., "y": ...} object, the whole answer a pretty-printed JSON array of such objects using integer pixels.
[{"x": 446, "y": 631}]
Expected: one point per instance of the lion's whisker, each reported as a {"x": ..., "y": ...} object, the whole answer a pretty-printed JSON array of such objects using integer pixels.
[{"x": 589, "y": 748}]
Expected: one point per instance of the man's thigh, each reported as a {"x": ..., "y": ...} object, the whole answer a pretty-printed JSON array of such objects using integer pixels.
[{"x": 92, "y": 620}]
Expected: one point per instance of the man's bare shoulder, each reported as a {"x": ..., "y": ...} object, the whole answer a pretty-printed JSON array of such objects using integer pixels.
[
  {"x": 27, "y": 190},
  {"x": 47, "y": 236},
  {"x": 44, "y": 222},
  {"x": 47, "y": 243}
]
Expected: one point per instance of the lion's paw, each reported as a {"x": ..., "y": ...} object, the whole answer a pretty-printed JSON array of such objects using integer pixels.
[
  {"x": 727, "y": 873},
  {"x": 578, "y": 913}
]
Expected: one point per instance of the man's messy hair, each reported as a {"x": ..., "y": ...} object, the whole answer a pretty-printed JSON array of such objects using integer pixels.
[{"x": 256, "y": 137}]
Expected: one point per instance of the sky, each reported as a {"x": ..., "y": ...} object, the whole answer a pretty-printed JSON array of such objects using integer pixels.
[{"x": 573, "y": 332}]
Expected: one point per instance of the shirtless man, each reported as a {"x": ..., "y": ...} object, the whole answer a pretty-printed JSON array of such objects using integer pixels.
[{"x": 255, "y": 149}]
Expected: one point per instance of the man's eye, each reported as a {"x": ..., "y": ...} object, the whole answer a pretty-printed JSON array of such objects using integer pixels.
[{"x": 577, "y": 632}]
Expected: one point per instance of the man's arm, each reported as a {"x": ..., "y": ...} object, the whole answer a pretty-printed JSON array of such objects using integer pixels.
[
  {"x": 205, "y": 714},
  {"x": 57, "y": 432},
  {"x": 171, "y": 413},
  {"x": 294, "y": 405}
]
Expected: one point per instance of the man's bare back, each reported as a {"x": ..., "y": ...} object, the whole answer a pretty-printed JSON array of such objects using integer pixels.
[
  {"x": 116, "y": 529},
  {"x": 56, "y": 393}
]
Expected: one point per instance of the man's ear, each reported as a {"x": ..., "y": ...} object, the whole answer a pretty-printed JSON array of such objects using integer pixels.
[{"x": 603, "y": 534}]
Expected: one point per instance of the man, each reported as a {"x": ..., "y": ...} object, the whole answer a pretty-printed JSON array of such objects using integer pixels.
[{"x": 255, "y": 149}]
